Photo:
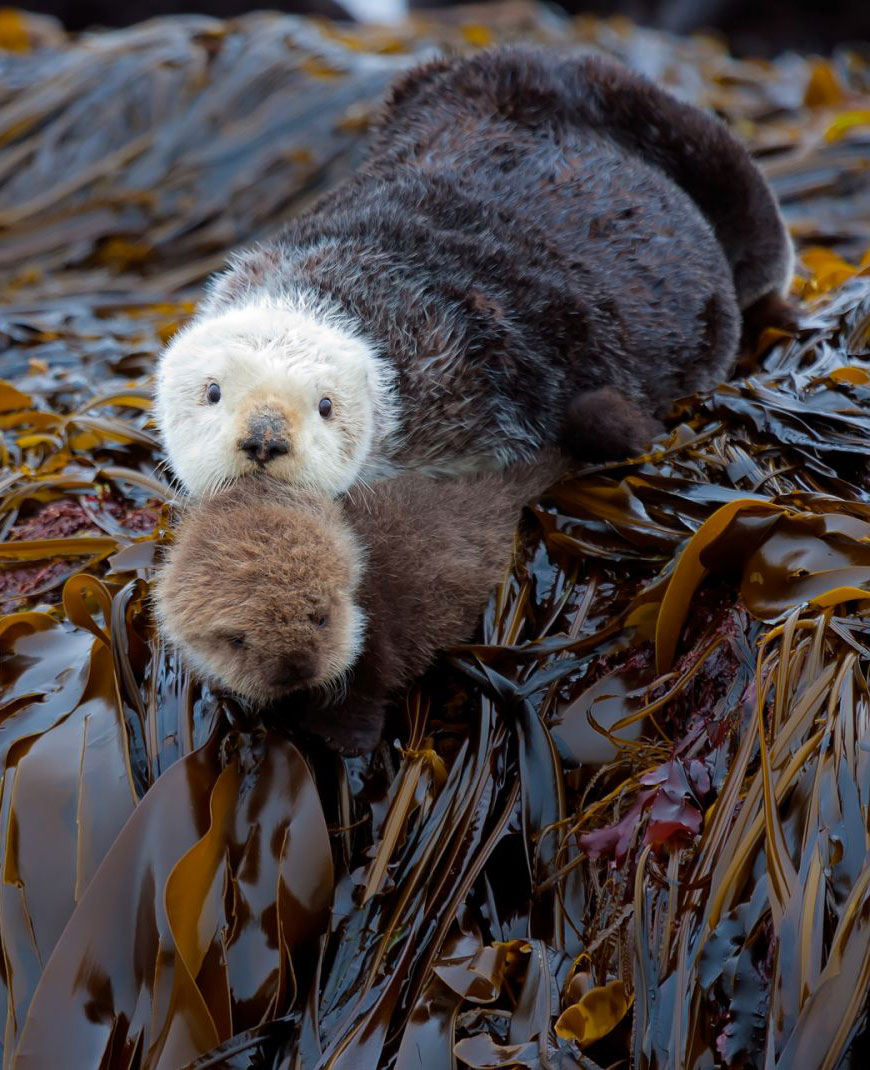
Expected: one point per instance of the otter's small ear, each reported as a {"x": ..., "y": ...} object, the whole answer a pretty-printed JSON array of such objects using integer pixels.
[{"x": 245, "y": 272}]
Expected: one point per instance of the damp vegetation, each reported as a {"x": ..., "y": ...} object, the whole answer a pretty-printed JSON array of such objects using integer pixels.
[{"x": 628, "y": 827}]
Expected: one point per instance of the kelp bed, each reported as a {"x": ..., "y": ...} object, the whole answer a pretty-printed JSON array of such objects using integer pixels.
[{"x": 629, "y": 827}]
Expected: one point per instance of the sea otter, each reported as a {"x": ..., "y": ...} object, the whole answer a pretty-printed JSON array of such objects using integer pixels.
[
  {"x": 267, "y": 590},
  {"x": 540, "y": 247}
]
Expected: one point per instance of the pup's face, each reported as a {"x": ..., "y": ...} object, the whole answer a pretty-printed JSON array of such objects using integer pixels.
[
  {"x": 258, "y": 595},
  {"x": 266, "y": 390}
]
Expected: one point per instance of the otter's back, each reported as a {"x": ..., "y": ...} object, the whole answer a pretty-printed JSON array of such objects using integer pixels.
[
  {"x": 532, "y": 229},
  {"x": 507, "y": 255}
]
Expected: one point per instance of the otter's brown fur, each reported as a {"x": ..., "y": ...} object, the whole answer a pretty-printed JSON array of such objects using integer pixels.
[
  {"x": 418, "y": 556},
  {"x": 530, "y": 228}
]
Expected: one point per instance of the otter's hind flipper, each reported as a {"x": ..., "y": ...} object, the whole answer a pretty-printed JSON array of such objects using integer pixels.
[
  {"x": 769, "y": 311},
  {"x": 605, "y": 425},
  {"x": 701, "y": 155}
]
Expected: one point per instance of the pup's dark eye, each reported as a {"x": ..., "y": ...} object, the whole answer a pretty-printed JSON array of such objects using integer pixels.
[
  {"x": 320, "y": 620},
  {"x": 236, "y": 640},
  {"x": 325, "y": 407},
  {"x": 213, "y": 394}
]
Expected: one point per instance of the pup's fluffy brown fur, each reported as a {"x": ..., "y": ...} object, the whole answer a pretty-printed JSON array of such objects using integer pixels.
[
  {"x": 248, "y": 584},
  {"x": 267, "y": 591}
]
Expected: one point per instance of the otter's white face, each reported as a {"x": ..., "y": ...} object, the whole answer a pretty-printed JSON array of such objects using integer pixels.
[{"x": 262, "y": 389}]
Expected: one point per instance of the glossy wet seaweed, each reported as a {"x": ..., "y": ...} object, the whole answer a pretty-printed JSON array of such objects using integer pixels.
[{"x": 630, "y": 826}]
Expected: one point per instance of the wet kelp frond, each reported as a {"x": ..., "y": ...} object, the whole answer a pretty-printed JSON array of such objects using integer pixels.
[{"x": 629, "y": 826}]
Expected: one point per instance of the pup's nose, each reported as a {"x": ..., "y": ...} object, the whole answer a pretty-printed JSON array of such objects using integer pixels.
[
  {"x": 292, "y": 673},
  {"x": 266, "y": 438}
]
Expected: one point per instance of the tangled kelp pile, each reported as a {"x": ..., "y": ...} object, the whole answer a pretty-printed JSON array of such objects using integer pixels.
[{"x": 629, "y": 827}]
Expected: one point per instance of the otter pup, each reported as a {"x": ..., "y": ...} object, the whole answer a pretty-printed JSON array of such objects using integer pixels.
[
  {"x": 540, "y": 247},
  {"x": 267, "y": 591}
]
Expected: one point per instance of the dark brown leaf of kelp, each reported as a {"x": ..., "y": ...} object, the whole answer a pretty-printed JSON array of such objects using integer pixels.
[{"x": 628, "y": 826}]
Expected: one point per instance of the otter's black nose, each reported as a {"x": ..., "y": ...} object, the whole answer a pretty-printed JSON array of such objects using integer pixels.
[{"x": 266, "y": 438}]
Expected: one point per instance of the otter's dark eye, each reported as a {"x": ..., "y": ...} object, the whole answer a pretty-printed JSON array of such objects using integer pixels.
[
  {"x": 325, "y": 407},
  {"x": 213, "y": 394},
  {"x": 236, "y": 640},
  {"x": 320, "y": 621}
]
